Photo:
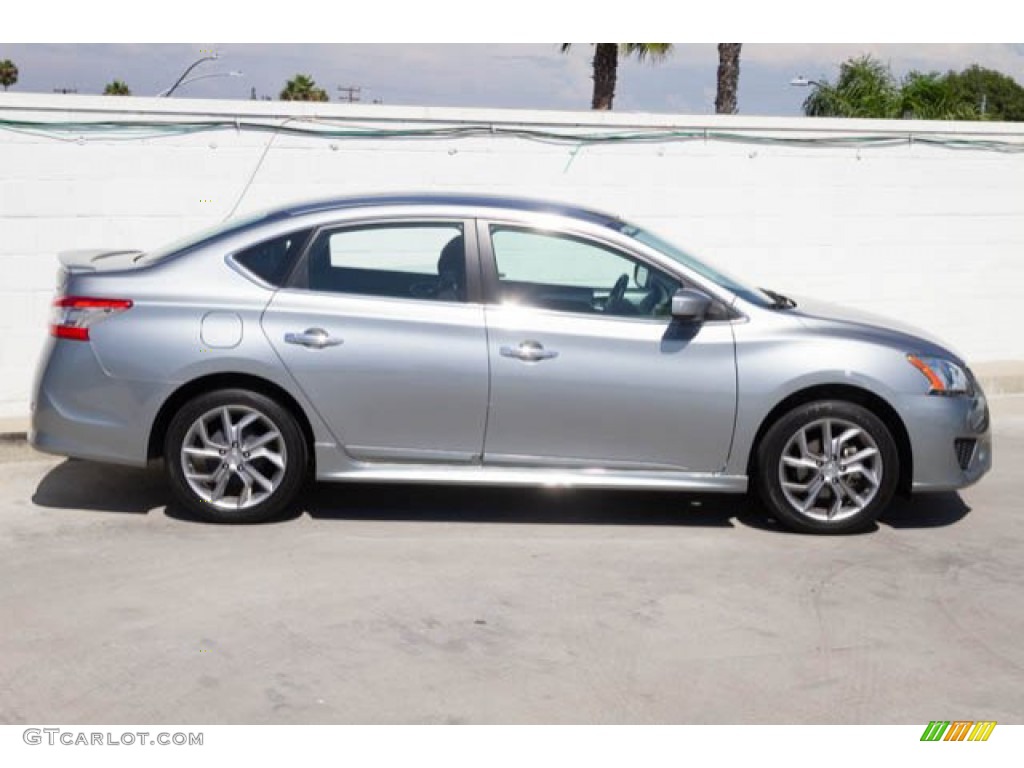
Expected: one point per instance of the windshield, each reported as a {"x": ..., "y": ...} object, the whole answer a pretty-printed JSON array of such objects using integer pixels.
[
  {"x": 196, "y": 239},
  {"x": 741, "y": 289}
]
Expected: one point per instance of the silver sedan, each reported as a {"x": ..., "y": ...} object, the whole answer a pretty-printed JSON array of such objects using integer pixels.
[{"x": 470, "y": 339}]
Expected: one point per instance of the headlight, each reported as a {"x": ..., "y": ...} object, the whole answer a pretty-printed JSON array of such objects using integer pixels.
[{"x": 944, "y": 376}]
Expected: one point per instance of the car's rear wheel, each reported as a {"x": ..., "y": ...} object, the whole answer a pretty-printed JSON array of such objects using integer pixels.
[
  {"x": 829, "y": 466},
  {"x": 235, "y": 456}
]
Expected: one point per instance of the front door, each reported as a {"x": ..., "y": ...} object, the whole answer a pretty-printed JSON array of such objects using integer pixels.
[{"x": 588, "y": 369}]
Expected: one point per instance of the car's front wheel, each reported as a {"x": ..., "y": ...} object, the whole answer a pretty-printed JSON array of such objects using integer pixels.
[
  {"x": 235, "y": 456},
  {"x": 829, "y": 466}
]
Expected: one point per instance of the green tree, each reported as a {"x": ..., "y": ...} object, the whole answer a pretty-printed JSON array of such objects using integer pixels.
[
  {"x": 8, "y": 73},
  {"x": 303, "y": 88},
  {"x": 995, "y": 96},
  {"x": 117, "y": 88},
  {"x": 865, "y": 88},
  {"x": 606, "y": 66},
  {"x": 728, "y": 78},
  {"x": 932, "y": 97}
]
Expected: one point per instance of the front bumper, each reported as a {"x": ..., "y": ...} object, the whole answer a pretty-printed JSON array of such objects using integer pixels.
[{"x": 950, "y": 438}]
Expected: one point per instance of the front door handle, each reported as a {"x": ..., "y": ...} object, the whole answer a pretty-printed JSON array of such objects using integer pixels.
[
  {"x": 313, "y": 338},
  {"x": 529, "y": 352}
]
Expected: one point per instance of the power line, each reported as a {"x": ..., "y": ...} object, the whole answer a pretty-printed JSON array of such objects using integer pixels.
[{"x": 143, "y": 129}]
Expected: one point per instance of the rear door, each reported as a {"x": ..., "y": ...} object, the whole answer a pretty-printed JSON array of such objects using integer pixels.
[{"x": 382, "y": 328}]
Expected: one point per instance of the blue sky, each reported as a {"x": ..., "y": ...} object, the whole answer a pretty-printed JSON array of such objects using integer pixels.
[{"x": 514, "y": 75}]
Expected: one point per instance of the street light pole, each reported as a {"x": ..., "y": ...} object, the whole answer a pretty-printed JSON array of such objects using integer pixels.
[{"x": 184, "y": 74}]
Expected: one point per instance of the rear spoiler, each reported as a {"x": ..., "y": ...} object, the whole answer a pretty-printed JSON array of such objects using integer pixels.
[{"x": 88, "y": 259}]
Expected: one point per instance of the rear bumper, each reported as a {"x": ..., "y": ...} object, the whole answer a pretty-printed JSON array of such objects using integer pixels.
[
  {"x": 78, "y": 410},
  {"x": 950, "y": 438}
]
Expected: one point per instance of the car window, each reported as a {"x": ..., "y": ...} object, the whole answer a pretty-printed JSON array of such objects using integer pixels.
[
  {"x": 271, "y": 260},
  {"x": 405, "y": 261},
  {"x": 571, "y": 274}
]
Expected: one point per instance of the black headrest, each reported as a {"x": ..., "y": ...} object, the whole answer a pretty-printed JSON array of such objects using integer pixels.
[{"x": 453, "y": 256}]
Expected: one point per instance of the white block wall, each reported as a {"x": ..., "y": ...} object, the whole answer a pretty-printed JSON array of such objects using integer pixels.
[{"x": 931, "y": 235}]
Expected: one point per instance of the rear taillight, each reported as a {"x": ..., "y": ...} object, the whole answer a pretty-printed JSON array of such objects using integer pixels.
[{"x": 73, "y": 315}]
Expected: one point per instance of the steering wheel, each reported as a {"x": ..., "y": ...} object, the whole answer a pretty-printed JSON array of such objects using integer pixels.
[
  {"x": 618, "y": 292},
  {"x": 655, "y": 298}
]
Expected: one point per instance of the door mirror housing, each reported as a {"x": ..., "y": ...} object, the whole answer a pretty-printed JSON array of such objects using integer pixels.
[{"x": 690, "y": 306}]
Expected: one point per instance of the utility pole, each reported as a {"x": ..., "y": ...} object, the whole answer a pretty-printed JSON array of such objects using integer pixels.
[{"x": 352, "y": 93}]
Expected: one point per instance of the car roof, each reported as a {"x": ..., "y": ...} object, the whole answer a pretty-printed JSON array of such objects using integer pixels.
[
  {"x": 485, "y": 203},
  {"x": 466, "y": 200}
]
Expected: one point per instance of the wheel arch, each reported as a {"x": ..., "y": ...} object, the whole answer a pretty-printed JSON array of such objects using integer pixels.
[
  {"x": 849, "y": 393},
  {"x": 213, "y": 382}
]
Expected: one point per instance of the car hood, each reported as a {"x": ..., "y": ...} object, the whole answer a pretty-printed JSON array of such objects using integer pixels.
[{"x": 816, "y": 313}]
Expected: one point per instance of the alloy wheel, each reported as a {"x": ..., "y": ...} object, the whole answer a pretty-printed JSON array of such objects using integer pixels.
[
  {"x": 234, "y": 457},
  {"x": 830, "y": 470}
]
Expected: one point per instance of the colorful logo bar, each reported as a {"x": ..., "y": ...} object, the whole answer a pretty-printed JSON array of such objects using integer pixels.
[{"x": 958, "y": 730}]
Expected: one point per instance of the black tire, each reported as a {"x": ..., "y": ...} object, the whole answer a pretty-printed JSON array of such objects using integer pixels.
[
  {"x": 290, "y": 443},
  {"x": 877, "y": 473}
]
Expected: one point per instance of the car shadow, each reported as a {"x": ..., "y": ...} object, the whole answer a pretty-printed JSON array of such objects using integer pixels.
[
  {"x": 83, "y": 485},
  {"x": 926, "y": 510},
  {"x": 87, "y": 485},
  {"x": 554, "y": 506},
  {"x": 431, "y": 503}
]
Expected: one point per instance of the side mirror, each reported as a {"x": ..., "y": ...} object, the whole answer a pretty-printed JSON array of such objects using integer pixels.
[{"x": 689, "y": 305}]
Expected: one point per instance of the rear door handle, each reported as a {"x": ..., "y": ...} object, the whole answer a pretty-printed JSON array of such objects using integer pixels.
[
  {"x": 313, "y": 338},
  {"x": 529, "y": 352}
]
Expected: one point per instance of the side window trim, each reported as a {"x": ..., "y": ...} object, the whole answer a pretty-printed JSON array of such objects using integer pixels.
[{"x": 298, "y": 278}]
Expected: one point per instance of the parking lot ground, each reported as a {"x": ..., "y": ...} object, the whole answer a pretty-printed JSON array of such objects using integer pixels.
[{"x": 447, "y": 605}]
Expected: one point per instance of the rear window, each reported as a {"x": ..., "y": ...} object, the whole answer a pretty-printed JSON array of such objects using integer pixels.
[{"x": 271, "y": 260}]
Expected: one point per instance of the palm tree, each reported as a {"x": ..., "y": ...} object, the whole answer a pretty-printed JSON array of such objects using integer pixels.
[
  {"x": 8, "y": 73},
  {"x": 303, "y": 88},
  {"x": 117, "y": 88},
  {"x": 606, "y": 66},
  {"x": 865, "y": 88},
  {"x": 728, "y": 78}
]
